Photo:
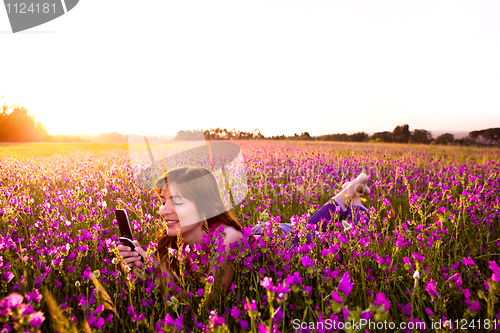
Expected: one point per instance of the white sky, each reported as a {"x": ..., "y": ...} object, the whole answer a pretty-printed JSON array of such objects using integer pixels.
[{"x": 281, "y": 66}]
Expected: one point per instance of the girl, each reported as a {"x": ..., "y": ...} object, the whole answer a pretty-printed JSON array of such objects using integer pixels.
[{"x": 189, "y": 204}]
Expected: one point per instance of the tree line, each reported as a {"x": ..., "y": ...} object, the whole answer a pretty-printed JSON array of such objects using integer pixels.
[
  {"x": 400, "y": 134},
  {"x": 18, "y": 126}
]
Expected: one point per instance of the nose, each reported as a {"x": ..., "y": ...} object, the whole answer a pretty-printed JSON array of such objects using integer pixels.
[{"x": 167, "y": 209}]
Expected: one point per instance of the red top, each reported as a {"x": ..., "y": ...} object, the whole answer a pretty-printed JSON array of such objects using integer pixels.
[{"x": 215, "y": 226}]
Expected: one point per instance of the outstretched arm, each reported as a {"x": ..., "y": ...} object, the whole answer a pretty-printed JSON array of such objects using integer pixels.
[{"x": 350, "y": 190}]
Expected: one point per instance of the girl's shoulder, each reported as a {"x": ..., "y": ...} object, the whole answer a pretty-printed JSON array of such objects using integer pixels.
[{"x": 232, "y": 234}]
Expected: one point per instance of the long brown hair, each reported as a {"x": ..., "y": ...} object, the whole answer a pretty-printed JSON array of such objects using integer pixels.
[{"x": 205, "y": 194}]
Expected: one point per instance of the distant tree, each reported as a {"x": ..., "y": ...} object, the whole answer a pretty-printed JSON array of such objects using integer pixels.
[
  {"x": 17, "y": 126},
  {"x": 359, "y": 137},
  {"x": 420, "y": 136},
  {"x": 401, "y": 134},
  {"x": 343, "y": 137},
  {"x": 492, "y": 134},
  {"x": 384, "y": 136},
  {"x": 190, "y": 135},
  {"x": 445, "y": 139},
  {"x": 257, "y": 135},
  {"x": 486, "y": 137},
  {"x": 467, "y": 141},
  {"x": 41, "y": 132}
]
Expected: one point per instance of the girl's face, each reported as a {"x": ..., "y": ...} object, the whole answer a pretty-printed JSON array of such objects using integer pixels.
[{"x": 179, "y": 212}]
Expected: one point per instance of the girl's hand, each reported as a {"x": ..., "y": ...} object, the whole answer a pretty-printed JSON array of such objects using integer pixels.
[
  {"x": 357, "y": 187},
  {"x": 143, "y": 254},
  {"x": 131, "y": 258}
]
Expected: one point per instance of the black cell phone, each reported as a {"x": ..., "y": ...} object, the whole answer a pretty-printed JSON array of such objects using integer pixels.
[{"x": 125, "y": 230}]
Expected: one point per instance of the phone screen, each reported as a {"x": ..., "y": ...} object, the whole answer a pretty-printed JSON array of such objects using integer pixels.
[{"x": 123, "y": 223}]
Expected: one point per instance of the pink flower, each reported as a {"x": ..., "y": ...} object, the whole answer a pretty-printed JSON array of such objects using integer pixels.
[
  {"x": 36, "y": 319},
  {"x": 97, "y": 323},
  {"x": 235, "y": 312},
  {"x": 243, "y": 324},
  {"x": 267, "y": 283},
  {"x": 294, "y": 279},
  {"x": 309, "y": 290},
  {"x": 109, "y": 318},
  {"x": 455, "y": 278},
  {"x": 99, "y": 309},
  {"x": 12, "y": 301},
  {"x": 251, "y": 307},
  {"x": 178, "y": 322},
  {"x": 381, "y": 299},
  {"x": 306, "y": 261},
  {"x": 34, "y": 295},
  {"x": 24, "y": 310},
  {"x": 342, "y": 238},
  {"x": 496, "y": 271},
  {"x": 418, "y": 256},
  {"x": 468, "y": 261},
  {"x": 431, "y": 288},
  {"x": 278, "y": 317},
  {"x": 215, "y": 319},
  {"x": 475, "y": 306},
  {"x": 345, "y": 285},
  {"x": 336, "y": 297},
  {"x": 364, "y": 241}
]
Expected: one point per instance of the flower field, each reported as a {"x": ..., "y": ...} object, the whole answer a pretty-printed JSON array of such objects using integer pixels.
[{"x": 429, "y": 252}]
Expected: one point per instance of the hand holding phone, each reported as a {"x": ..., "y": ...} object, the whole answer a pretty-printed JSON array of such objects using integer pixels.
[{"x": 125, "y": 230}]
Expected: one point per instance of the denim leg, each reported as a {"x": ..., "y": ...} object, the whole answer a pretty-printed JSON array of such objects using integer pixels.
[
  {"x": 296, "y": 240},
  {"x": 356, "y": 213},
  {"x": 324, "y": 213}
]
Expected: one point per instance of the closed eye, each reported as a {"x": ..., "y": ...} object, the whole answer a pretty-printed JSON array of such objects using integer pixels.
[{"x": 175, "y": 203}]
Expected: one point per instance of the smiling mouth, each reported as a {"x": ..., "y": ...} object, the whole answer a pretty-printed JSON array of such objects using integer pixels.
[{"x": 171, "y": 222}]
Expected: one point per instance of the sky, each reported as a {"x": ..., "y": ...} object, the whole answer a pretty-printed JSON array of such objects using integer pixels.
[{"x": 284, "y": 67}]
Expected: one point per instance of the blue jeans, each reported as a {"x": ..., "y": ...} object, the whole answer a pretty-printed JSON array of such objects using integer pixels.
[{"x": 351, "y": 215}]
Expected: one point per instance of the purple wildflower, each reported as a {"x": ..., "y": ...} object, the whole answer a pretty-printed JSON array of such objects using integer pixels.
[
  {"x": 235, "y": 313},
  {"x": 468, "y": 261},
  {"x": 381, "y": 299},
  {"x": 36, "y": 319},
  {"x": 306, "y": 261},
  {"x": 12, "y": 301},
  {"x": 475, "y": 306},
  {"x": 431, "y": 288},
  {"x": 243, "y": 324},
  {"x": 345, "y": 285},
  {"x": 267, "y": 283}
]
